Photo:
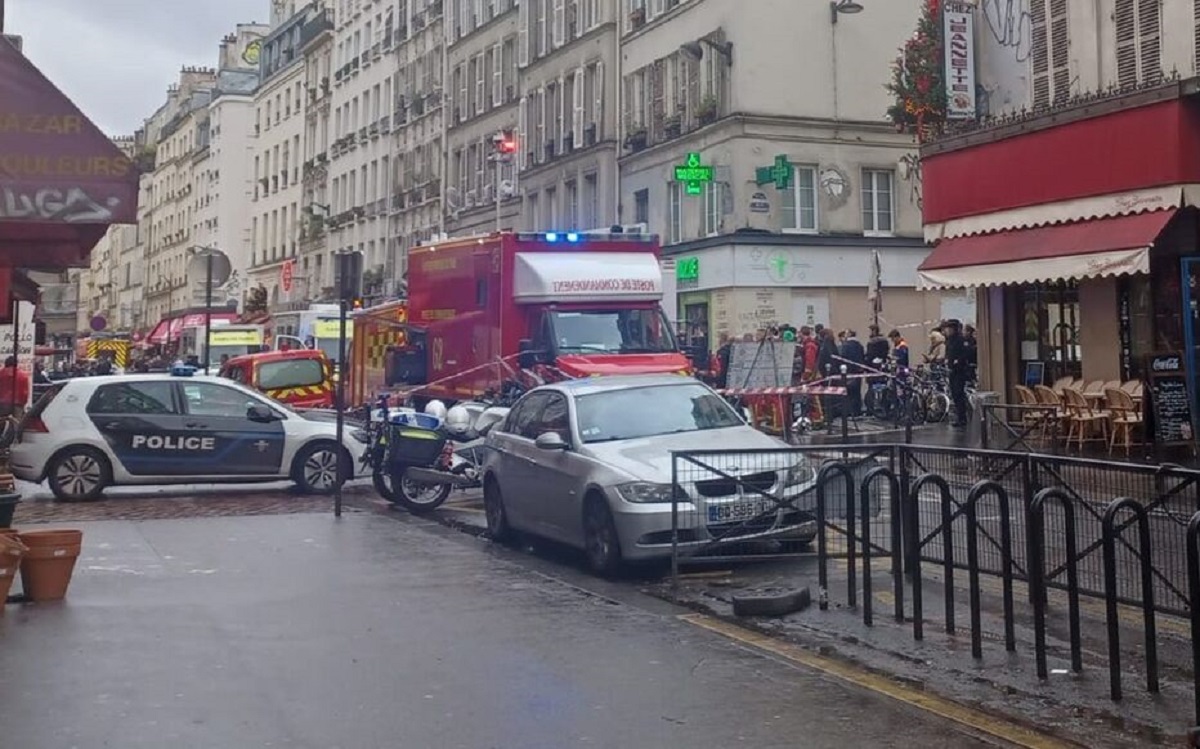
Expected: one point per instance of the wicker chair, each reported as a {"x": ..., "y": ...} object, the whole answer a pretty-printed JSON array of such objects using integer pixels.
[
  {"x": 1125, "y": 417},
  {"x": 1082, "y": 417}
]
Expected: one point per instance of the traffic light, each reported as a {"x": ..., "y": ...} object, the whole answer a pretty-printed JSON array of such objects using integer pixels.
[
  {"x": 505, "y": 143},
  {"x": 348, "y": 271}
]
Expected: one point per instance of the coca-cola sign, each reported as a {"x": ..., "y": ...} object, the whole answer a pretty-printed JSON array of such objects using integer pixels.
[{"x": 1167, "y": 363}]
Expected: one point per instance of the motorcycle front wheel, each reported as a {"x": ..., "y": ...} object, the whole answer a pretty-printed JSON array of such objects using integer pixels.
[
  {"x": 383, "y": 484},
  {"x": 415, "y": 496}
]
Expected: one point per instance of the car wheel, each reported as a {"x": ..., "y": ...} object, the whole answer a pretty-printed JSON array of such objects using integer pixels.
[
  {"x": 600, "y": 540},
  {"x": 493, "y": 509},
  {"x": 315, "y": 469},
  {"x": 79, "y": 474}
]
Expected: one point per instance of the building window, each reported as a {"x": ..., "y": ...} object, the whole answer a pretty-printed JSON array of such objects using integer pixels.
[
  {"x": 714, "y": 199},
  {"x": 641, "y": 207},
  {"x": 1050, "y": 51},
  {"x": 552, "y": 208},
  {"x": 572, "y": 206},
  {"x": 674, "y": 213},
  {"x": 591, "y": 204},
  {"x": 877, "y": 201},
  {"x": 1139, "y": 41},
  {"x": 800, "y": 200}
]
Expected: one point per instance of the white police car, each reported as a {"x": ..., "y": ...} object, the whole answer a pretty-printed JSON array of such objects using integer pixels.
[{"x": 89, "y": 433}]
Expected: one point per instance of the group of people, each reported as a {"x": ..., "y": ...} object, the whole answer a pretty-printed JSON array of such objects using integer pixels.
[{"x": 822, "y": 353}]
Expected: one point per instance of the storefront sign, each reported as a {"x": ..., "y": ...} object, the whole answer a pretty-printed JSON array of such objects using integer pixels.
[
  {"x": 760, "y": 203},
  {"x": 780, "y": 173},
  {"x": 958, "y": 32},
  {"x": 687, "y": 271},
  {"x": 235, "y": 338},
  {"x": 693, "y": 175},
  {"x": 1170, "y": 402},
  {"x": 287, "y": 274}
]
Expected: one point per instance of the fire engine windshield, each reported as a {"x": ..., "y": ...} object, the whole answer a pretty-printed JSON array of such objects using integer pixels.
[
  {"x": 634, "y": 331},
  {"x": 290, "y": 374}
]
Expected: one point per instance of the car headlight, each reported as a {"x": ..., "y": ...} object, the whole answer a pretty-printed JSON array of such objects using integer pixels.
[
  {"x": 360, "y": 435},
  {"x": 644, "y": 493},
  {"x": 800, "y": 473}
]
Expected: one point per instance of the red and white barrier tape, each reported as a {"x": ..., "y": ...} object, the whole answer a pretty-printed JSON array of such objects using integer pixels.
[{"x": 797, "y": 390}]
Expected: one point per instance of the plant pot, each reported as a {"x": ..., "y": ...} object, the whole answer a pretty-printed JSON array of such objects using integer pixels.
[
  {"x": 11, "y": 553},
  {"x": 48, "y": 565},
  {"x": 8, "y": 505}
]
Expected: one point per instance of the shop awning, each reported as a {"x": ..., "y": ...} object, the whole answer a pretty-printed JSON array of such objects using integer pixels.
[
  {"x": 169, "y": 331},
  {"x": 1088, "y": 249}
]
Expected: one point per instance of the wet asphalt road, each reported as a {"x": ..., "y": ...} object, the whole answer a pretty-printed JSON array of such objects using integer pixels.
[{"x": 299, "y": 631}]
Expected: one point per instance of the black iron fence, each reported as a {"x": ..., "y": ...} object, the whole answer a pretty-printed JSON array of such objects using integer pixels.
[{"x": 1121, "y": 533}]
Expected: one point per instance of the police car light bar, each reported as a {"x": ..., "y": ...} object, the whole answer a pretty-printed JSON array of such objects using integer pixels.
[{"x": 183, "y": 371}]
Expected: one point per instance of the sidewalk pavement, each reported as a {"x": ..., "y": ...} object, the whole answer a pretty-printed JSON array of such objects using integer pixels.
[{"x": 1073, "y": 706}]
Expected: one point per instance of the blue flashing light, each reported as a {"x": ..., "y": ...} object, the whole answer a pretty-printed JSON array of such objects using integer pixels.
[
  {"x": 573, "y": 237},
  {"x": 551, "y": 236},
  {"x": 183, "y": 371}
]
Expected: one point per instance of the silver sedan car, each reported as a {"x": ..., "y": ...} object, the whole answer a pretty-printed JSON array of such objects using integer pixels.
[{"x": 588, "y": 463}]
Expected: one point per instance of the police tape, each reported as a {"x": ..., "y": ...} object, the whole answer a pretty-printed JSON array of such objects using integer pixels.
[{"x": 795, "y": 390}]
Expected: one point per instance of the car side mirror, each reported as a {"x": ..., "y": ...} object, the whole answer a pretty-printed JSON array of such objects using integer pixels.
[
  {"x": 261, "y": 414},
  {"x": 550, "y": 441},
  {"x": 527, "y": 357}
]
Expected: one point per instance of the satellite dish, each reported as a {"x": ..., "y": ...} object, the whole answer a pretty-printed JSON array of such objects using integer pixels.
[{"x": 198, "y": 266}]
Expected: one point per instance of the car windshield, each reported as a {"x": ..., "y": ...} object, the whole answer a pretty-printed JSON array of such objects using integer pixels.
[
  {"x": 628, "y": 331},
  {"x": 290, "y": 373},
  {"x": 651, "y": 411}
]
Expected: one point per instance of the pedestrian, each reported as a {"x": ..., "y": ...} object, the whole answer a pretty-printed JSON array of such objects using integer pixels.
[
  {"x": 826, "y": 366},
  {"x": 956, "y": 360},
  {"x": 854, "y": 353},
  {"x": 15, "y": 388},
  {"x": 724, "y": 352},
  {"x": 972, "y": 346},
  {"x": 936, "y": 355},
  {"x": 899, "y": 349},
  {"x": 877, "y": 349}
]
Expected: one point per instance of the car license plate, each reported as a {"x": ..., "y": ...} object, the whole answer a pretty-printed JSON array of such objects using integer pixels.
[{"x": 735, "y": 511}]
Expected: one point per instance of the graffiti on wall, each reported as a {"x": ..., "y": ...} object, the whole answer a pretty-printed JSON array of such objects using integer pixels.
[
  {"x": 72, "y": 205},
  {"x": 1009, "y": 23}
]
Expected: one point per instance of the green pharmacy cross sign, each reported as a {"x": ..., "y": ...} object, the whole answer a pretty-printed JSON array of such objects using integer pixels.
[
  {"x": 780, "y": 173},
  {"x": 693, "y": 174}
]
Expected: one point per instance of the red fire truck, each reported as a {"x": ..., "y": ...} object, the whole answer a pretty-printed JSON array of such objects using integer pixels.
[{"x": 489, "y": 309}]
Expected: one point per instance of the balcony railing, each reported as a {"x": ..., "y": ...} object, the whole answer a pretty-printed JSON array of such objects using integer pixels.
[{"x": 319, "y": 24}]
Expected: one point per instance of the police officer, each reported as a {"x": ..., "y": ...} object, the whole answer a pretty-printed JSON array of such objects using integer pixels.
[{"x": 958, "y": 361}]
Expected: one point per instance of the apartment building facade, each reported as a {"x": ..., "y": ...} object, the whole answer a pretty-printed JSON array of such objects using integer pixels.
[
  {"x": 568, "y": 60},
  {"x": 753, "y": 143},
  {"x": 482, "y": 39},
  {"x": 279, "y": 129},
  {"x": 360, "y": 155},
  {"x": 314, "y": 274},
  {"x": 418, "y": 129}
]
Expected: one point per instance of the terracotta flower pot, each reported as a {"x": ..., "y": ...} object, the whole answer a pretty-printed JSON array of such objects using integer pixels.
[
  {"x": 48, "y": 565},
  {"x": 11, "y": 553}
]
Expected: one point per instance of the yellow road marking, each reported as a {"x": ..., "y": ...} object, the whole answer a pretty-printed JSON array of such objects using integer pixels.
[{"x": 976, "y": 720}]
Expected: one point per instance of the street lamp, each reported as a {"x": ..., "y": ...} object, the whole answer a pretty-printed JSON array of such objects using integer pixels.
[{"x": 849, "y": 7}]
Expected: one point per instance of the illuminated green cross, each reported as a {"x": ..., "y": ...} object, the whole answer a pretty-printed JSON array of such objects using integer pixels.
[
  {"x": 693, "y": 175},
  {"x": 780, "y": 173}
]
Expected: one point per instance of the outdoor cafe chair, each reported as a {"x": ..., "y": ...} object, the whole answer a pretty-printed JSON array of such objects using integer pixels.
[
  {"x": 1047, "y": 397},
  {"x": 1062, "y": 383},
  {"x": 1082, "y": 418},
  {"x": 1125, "y": 417}
]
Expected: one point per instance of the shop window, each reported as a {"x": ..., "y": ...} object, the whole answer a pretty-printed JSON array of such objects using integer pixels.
[
  {"x": 641, "y": 207},
  {"x": 1049, "y": 328},
  {"x": 800, "y": 200},
  {"x": 1135, "y": 312},
  {"x": 877, "y": 205}
]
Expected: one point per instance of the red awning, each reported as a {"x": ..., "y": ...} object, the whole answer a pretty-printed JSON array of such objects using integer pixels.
[
  {"x": 1087, "y": 163},
  {"x": 1088, "y": 249},
  {"x": 169, "y": 331},
  {"x": 62, "y": 181}
]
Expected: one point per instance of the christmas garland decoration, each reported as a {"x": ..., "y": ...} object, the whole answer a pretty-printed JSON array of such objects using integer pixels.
[{"x": 918, "y": 79}]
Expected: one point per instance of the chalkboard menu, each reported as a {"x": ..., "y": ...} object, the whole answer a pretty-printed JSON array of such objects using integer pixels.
[
  {"x": 760, "y": 365},
  {"x": 1170, "y": 406}
]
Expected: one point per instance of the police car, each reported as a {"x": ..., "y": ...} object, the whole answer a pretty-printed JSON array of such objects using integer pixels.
[{"x": 90, "y": 433}]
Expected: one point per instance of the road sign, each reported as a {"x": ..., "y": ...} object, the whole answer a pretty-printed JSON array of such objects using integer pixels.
[
  {"x": 287, "y": 273},
  {"x": 693, "y": 174}
]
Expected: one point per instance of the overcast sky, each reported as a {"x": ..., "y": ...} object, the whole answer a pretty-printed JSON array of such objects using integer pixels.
[{"x": 115, "y": 58}]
